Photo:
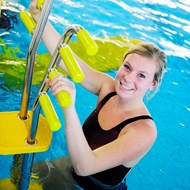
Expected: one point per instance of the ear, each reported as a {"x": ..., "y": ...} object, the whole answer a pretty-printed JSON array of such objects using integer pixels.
[{"x": 153, "y": 84}]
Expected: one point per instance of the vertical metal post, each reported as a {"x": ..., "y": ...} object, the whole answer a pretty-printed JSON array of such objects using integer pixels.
[
  {"x": 31, "y": 57},
  {"x": 27, "y": 160},
  {"x": 26, "y": 168}
]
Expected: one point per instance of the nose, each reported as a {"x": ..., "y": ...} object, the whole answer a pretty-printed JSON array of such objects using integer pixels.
[{"x": 129, "y": 77}]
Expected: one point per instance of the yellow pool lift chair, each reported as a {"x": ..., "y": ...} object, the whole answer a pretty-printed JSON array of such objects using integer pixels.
[{"x": 27, "y": 131}]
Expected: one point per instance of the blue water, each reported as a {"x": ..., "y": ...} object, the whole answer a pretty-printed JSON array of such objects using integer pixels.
[{"x": 163, "y": 22}]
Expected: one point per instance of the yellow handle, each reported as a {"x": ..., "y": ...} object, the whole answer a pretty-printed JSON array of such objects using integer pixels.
[
  {"x": 63, "y": 97},
  {"x": 28, "y": 21},
  {"x": 40, "y": 3},
  {"x": 88, "y": 43},
  {"x": 49, "y": 112},
  {"x": 72, "y": 66}
]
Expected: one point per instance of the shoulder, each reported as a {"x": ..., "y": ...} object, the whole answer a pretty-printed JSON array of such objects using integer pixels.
[
  {"x": 143, "y": 130},
  {"x": 140, "y": 136},
  {"x": 107, "y": 87}
]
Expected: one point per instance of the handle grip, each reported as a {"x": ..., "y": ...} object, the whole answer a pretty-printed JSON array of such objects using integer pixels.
[
  {"x": 63, "y": 97},
  {"x": 28, "y": 21},
  {"x": 88, "y": 43},
  {"x": 49, "y": 112},
  {"x": 72, "y": 66},
  {"x": 40, "y": 3}
]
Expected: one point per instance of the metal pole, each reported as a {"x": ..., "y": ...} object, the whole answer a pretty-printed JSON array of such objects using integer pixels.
[
  {"x": 31, "y": 57},
  {"x": 26, "y": 169},
  {"x": 27, "y": 161}
]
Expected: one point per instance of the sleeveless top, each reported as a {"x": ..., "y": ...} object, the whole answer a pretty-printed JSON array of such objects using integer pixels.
[{"x": 97, "y": 137}]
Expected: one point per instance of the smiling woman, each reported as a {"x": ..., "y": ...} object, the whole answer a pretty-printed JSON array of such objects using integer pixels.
[{"x": 129, "y": 132}]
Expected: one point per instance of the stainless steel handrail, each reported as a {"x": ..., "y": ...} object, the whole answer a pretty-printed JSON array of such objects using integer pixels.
[
  {"x": 27, "y": 159},
  {"x": 65, "y": 38},
  {"x": 31, "y": 57}
]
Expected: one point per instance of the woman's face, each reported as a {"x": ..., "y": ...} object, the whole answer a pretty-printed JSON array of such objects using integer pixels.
[{"x": 135, "y": 76}]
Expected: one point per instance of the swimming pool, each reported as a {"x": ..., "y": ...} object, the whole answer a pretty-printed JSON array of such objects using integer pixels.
[{"x": 163, "y": 22}]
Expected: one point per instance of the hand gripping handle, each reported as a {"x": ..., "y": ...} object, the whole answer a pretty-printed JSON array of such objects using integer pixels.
[
  {"x": 63, "y": 97},
  {"x": 49, "y": 112}
]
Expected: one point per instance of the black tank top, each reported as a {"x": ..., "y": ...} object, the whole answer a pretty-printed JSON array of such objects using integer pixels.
[{"x": 98, "y": 137}]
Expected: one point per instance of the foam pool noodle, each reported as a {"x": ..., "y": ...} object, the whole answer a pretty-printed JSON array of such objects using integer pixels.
[
  {"x": 49, "y": 112},
  {"x": 73, "y": 68},
  {"x": 88, "y": 43}
]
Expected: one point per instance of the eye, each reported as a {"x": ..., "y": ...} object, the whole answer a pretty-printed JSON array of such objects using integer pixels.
[
  {"x": 126, "y": 67},
  {"x": 141, "y": 75}
]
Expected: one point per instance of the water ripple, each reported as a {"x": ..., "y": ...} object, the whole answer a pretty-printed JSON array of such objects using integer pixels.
[{"x": 173, "y": 49}]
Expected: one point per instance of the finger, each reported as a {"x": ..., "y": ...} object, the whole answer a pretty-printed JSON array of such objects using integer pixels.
[
  {"x": 58, "y": 84},
  {"x": 33, "y": 6},
  {"x": 62, "y": 85},
  {"x": 33, "y": 3},
  {"x": 48, "y": 82},
  {"x": 58, "y": 78}
]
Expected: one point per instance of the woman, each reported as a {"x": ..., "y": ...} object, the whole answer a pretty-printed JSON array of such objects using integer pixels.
[{"x": 119, "y": 132}]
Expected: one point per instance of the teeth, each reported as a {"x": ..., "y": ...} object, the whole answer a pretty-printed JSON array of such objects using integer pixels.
[{"x": 126, "y": 87}]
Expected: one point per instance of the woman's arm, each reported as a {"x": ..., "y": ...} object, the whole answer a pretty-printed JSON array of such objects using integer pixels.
[
  {"x": 95, "y": 81},
  {"x": 132, "y": 144}
]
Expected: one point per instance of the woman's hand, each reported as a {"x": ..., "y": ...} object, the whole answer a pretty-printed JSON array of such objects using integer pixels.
[
  {"x": 33, "y": 10},
  {"x": 60, "y": 83}
]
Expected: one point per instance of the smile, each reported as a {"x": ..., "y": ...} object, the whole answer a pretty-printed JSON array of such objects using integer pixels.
[{"x": 126, "y": 87}]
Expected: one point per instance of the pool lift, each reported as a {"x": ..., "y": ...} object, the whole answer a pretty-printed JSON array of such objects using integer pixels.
[{"x": 27, "y": 132}]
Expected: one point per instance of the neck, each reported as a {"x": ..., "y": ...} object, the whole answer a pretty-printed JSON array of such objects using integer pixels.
[{"x": 129, "y": 105}]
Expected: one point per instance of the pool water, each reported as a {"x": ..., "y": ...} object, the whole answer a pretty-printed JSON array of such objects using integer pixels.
[{"x": 163, "y": 22}]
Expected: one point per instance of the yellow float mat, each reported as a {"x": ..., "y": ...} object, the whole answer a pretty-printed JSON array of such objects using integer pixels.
[
  {"x": 14, "y": 132},
  {"x": 6, "y": 184}
]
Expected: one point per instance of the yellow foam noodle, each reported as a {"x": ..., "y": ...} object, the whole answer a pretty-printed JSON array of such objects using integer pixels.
[
  {"x": 88, "y": 43},
  {"x": 28, "y": 21},
  {"x": 49, "y": 112},
  {"x": 40, "y": 3},
  {"x": 73, "y": 68},
  {"x": 14, "y": 134}
]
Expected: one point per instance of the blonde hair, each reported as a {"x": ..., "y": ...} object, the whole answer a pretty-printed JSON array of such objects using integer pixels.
[{"x": 151, "y": 51}]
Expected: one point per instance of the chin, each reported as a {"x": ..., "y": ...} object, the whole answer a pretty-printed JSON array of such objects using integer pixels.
[{"x": 124, "y": 94}]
